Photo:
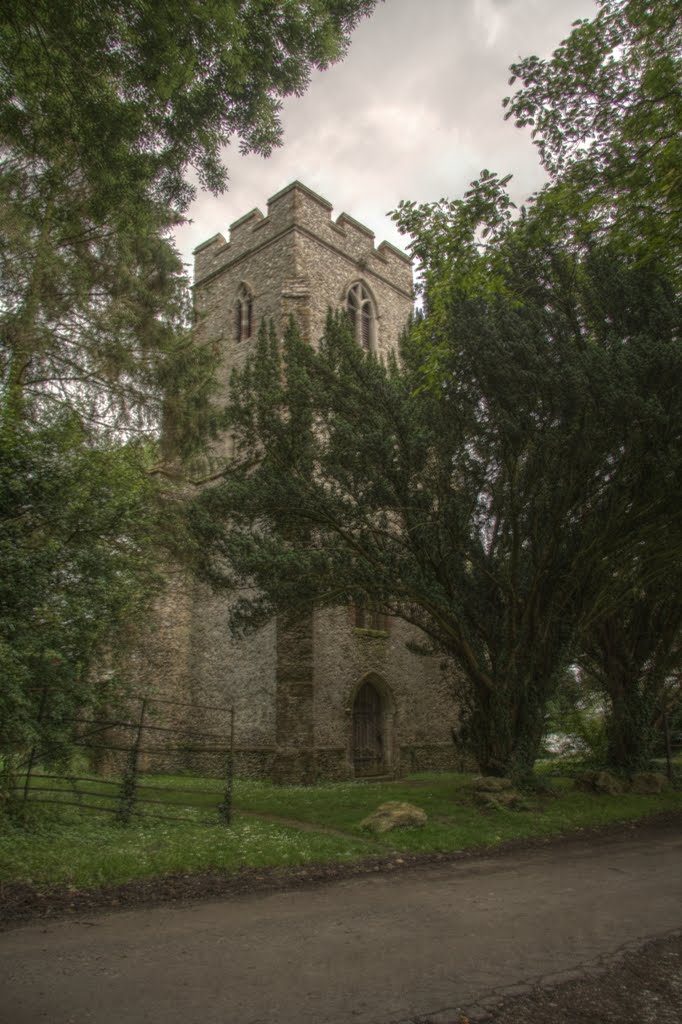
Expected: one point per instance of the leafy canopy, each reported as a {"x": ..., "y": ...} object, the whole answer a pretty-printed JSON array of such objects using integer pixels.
[
  {"x": 108, "y": 110},
  {"x": 104, "y": 109},
  {"x": 77, "y": 545},
  {"x": 139, "y": 92},
  {"x": 605, "y": 112},
  {"x": 606, "y": 115}
]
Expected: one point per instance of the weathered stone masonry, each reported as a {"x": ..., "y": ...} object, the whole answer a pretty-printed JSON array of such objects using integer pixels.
[{"x": 307, "y": 694}]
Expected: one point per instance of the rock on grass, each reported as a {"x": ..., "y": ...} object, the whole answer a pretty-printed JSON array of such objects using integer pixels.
[
  {"x": 605, "y": 783},
  {"x": 649, "y": 782},
  {"x": 394, "y": 814},
  {"x": 490, "y": 784}
]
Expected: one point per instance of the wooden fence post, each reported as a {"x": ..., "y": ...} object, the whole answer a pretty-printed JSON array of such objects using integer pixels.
[
  {"x": 225, "y": 808},
  {"x": 668, "y": 748},
  {"x": 32, "y": 756},
  {"x": 129, "y": 781}
]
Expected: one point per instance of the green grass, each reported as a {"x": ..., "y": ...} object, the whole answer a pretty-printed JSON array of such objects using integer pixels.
[
  {"x": 89, "y": 852},
  {"x": 454, "y": 822},
  {"x": 60, "y": 844}
]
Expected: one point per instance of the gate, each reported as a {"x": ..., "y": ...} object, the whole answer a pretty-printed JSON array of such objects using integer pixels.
[
  {"x": 368, "y": 733},
  {"x": 135, "y": 735}
]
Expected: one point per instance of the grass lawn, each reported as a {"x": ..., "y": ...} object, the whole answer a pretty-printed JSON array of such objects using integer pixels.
[{"x": 60, "y": 844}]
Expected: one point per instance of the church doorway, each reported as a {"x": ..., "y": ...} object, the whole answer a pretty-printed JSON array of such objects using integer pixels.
[{"x": 371, "y": 750}]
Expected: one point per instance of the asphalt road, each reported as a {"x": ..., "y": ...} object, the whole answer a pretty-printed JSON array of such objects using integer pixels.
[{"x": 432, "y": 943}]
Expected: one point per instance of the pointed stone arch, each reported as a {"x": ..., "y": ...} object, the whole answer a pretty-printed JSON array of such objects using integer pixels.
[
  {"x": 372, "y": 727},
  {"x": 243, "y": 312},
  {"x": 361, "y": 305}
]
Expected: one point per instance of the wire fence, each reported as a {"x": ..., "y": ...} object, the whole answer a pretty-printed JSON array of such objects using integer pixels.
[{"x": 139, "y": 758}]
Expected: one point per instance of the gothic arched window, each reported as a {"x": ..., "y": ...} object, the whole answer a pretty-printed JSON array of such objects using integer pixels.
[
  {"x": 244, "y": 313},
  {"x": 362, "y": 316}
]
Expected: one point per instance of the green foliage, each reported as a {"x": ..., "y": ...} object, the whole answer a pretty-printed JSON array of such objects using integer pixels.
[
  {"x": 606, "y": 114},
  {"x": 77, "y": 528},
  {"x": 631, "y": 654},
  {"x": 92, "y": 314},
  {"x": 455, "y": 236},
  {"x": 70, "y": 848},
  {"x": 489, "y": 511},
  {"x": 103, "y": 109},
  {"x": 133, "y": 94},
  {"x": 575, "y": 715}
]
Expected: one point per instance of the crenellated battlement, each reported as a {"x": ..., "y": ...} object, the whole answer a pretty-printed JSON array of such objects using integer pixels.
[{"x": 297, "y": 208}]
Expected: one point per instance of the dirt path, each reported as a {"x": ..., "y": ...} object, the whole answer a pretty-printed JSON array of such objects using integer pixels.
[
  {"x": 303, "y": 826},
  {"x": 429, "y": 944}
]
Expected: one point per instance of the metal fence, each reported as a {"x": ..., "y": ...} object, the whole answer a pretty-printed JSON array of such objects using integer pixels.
[{"x": 136, "y": 748}]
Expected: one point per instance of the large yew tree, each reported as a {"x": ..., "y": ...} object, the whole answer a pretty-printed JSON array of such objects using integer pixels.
[
  {"x": 605, "y": 111},
  {"x": 509, "y": 482},
  {"x": 489, "y": 510}
]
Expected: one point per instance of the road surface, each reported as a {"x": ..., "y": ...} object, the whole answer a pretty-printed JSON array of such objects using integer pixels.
[{"x": 430, "y": 943}]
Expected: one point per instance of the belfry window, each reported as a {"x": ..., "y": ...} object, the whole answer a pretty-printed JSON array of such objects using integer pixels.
[
  {"x": 370, "y": 616},
  {"x": 362, "y": 316},
  {"x": 244, "y": 313}
]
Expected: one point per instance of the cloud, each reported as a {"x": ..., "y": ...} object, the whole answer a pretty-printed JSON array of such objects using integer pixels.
[{"x": 414, "y": 111}]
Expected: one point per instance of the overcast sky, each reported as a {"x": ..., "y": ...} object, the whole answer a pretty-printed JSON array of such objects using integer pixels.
[{"x": 413, "y": 112}]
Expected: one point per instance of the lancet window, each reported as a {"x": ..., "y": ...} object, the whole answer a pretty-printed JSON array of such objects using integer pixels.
[
  {"x": 244, "y": 313},
  {"x": 362, "y": 315}
]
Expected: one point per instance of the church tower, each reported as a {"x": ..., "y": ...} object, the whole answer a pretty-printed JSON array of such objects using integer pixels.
[
  {"x": 337, "y": 694},
  {"x": 297, "y": 261}
]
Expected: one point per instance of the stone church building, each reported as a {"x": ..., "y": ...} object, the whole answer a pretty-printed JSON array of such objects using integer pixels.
[{"x": 337, "y": 695}]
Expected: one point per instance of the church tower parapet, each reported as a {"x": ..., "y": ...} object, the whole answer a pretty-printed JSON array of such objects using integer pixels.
[{"x": 297, "y": 208}]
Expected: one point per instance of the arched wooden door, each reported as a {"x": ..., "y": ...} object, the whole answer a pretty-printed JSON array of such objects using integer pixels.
[{"x": 368, "y": 732}]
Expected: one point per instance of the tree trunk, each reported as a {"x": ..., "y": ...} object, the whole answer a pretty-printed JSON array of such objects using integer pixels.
[
  {"x": 629, "y": 730},
  {"x": 21, "y": 333},
  {"x": 505, "y": 728}
]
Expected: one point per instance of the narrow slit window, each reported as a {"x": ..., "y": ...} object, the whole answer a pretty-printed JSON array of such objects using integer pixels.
[{"x": 244, "y": 314}]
